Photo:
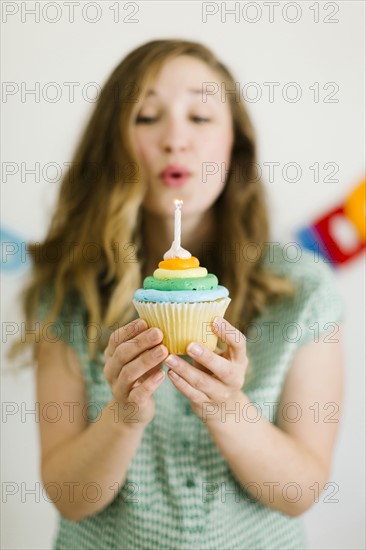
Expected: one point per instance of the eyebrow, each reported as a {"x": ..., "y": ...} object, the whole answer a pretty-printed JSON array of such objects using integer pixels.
[{"x": 193, "y": 91}]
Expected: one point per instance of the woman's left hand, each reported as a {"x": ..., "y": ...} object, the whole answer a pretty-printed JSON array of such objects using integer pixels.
[{"x": 223, "y": 376}]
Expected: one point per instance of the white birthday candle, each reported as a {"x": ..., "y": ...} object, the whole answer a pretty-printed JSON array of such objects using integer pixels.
[
  {"x": 177, "y": 223},
  {"x": 176, "y": 251}
]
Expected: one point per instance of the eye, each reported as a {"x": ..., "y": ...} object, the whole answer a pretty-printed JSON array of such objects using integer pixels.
[
  {"x": 200, "y": 119},
  {"x": 145, "y": 120}
]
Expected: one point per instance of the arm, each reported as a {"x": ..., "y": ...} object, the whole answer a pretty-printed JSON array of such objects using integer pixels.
[
  {"x": 295, "y": 453},
  {"x": 90, "y": 462},
  {"x": 267, "y": 457},
  {"x": 73, "y": 452}
]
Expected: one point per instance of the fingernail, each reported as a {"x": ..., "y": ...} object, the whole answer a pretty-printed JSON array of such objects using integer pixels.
[
  {"x": 194, "y": 349},
  {"x": 157, "y": 352},
  {"x": 173, "y": 375},
  {"x": 153, "y": 335},
  {"x": 217, "y": 322},
  {"x": 171, "y": 360},
  {"x": 141, "y": 325}
]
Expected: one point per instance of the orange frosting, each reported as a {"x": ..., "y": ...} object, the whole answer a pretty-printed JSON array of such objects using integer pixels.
[{"x": 179, "y": 263}]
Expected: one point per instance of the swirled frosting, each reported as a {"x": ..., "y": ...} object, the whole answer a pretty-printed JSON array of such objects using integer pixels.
[{"x": 180, "y": 280}]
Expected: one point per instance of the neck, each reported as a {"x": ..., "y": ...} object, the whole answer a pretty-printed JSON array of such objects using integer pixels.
[{"x": 158, "y": 234}]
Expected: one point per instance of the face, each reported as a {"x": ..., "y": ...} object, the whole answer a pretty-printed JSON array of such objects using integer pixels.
[{"x": 187, "y": 134}]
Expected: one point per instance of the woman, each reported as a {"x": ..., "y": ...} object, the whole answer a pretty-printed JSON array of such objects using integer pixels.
[{"x": 228, "y": 452}]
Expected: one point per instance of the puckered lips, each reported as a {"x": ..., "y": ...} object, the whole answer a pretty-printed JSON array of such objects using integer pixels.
[{"x": 174, "y": 175}]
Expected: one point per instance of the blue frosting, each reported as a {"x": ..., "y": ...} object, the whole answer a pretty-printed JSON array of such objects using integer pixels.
[{"x": 151, "y": 295}]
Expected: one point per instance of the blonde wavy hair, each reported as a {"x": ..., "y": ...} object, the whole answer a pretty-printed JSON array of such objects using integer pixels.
[{"x": 100, "y": 202}]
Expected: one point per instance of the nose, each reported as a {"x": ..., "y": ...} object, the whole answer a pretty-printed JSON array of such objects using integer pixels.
[{"x": 174, "y": 137}]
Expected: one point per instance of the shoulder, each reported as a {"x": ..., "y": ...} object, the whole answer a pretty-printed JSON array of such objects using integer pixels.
[
  {"x": 317, "y": 296},
  {"x": 308, "y": 270}
]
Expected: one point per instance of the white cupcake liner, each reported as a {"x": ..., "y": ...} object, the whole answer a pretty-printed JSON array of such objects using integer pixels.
[{"x": 182, "y": 323}]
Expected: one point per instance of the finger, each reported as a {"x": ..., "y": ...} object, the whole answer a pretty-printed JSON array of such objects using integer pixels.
[
  {"x": 122, "y": 334},
  {"x": 213, "y": 363},
  {"x": 129, "y": 350},
  {"x": 141, "y": 366},
  {"x": 235, "y": 340},
  {"x": 146, "y": 375},
  {"x": 196, "y": 378},
  {"x": 137, "y": 357},
  {"x": 141, "y": 393},
  {"x": 195, "y": 396},
  {"x": 202, "y": 368},
  {"x": 227, "y": 372}
]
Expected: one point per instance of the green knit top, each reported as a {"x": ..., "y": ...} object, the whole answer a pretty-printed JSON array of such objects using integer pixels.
[{"x": 180, "y": 492}]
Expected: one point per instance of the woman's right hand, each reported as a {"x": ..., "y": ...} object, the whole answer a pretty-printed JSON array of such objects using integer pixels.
[{"x": 133, "y": 370}]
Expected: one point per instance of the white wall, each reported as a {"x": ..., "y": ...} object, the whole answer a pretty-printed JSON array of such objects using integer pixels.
[{"x": 305, "y": 132}]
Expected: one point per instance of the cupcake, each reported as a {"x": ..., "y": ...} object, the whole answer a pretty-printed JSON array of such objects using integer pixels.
[{"x": 181, "y": 298}]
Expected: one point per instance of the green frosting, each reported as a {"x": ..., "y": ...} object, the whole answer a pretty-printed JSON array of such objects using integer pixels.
[{"x": 194, "y": 283}]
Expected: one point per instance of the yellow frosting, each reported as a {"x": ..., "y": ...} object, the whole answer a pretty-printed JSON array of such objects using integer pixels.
[
  {"x": 180, "y": 263},
  {"x": 180, "y": 273}
]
